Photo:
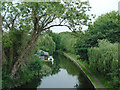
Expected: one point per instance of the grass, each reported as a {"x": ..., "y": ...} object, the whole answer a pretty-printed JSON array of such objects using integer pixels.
[
  {"x": 101, "y": 78},
  {"x": 89, "y": 76}
]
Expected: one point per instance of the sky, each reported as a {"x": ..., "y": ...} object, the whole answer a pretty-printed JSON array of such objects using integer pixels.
[{"x": 98, "y": 7}]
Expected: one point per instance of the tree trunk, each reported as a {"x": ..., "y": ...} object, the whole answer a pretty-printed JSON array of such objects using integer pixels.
[
  {"x": 24, "y": 54},
  {"x": 10, "y": 59},
  {"x": 3, "y": 56},
  {"x": 30, "y": 46}
]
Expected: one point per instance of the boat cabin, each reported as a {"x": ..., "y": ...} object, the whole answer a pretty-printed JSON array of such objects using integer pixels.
[{"x": 42, "y": 55}]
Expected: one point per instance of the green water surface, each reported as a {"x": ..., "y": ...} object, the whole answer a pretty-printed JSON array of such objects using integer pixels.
[{"x": 64, "y": 74}]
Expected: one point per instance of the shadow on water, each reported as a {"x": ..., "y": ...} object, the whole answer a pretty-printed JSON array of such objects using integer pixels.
[{"x": 65, "y": 74}]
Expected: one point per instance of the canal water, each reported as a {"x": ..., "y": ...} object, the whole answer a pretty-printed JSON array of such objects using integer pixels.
[{"x": 64, "y": 74}]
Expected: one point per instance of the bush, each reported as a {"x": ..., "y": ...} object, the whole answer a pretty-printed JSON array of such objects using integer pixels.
[
  {"x": 82, "y": 53},
  {"x": 45, "y": 70},
  {"x": 7, "y": 81},
  {"x": 104, "y": 59},
  {"x": 36, "y": 65}
]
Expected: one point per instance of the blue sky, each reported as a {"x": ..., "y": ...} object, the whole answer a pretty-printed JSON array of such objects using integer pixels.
[{"x": 98, "y": 7}]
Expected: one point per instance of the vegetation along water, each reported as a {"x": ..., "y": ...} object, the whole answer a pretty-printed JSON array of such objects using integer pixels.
[{"x": 28, "y": 41}]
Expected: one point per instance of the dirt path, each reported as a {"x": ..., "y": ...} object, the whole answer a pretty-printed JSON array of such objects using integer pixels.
[{"x": 99, "y": 83}]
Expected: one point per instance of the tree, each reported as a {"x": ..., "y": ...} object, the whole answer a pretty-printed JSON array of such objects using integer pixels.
[
  {"x": 82, "y": 45},
  {"x": 38, "y": 17},
  {"x": 106, "y": 26},
  {"x": 46, "y": 43},
  {"x": 56, "y": 38},
  {"x": 67, "y": 41}
]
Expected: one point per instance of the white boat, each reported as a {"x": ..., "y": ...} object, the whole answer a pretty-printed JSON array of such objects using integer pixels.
[{"x": 50, "y": 58}]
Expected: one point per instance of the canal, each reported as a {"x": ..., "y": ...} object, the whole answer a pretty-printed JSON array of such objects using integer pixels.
[{"x": 64, "y": 74}]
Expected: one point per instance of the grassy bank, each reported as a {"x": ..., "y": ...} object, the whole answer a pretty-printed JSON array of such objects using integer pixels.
[{"x": 101, "y": 78}]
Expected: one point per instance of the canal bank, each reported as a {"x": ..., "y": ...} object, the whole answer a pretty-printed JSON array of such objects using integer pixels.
[{"x": 96, "y": 83}]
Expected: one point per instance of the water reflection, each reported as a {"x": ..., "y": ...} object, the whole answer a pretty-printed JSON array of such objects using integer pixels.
[
  {"x": 64, "y": 74},
  {"x": 60, "y": 80}
]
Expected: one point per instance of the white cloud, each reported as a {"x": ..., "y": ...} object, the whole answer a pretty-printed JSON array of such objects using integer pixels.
[{"x": 103, "y": 6}]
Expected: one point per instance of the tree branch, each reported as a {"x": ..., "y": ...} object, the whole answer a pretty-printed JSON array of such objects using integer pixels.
[
  {"x": 8, "y": 24},
  {"x": 56, "y": 25},
  {"x": 62, "y": 21},
  {"x": 41, "y": 16},
  {"x": 50, "y": 21},
  {"x": 13, "y": 21},
  {"x": 45, "y": 20}
]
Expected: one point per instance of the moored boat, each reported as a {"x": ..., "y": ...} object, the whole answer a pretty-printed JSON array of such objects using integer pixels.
[{"x": 50, "y": 58}]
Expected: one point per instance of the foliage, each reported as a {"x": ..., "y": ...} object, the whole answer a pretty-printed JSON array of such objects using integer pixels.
[
  {"x": 7, "y": 81},
  {"x": 81, "y": 45},
  {"x": 46, "y": 43},
  {"x": 30, "y": 19},
  {"x": 35, "y": 66},
  {"x": 104, "y": 59},
  {"x": 23, "y": 76},
  {"x": 105, "y": 27},
  {"x": 56, "y": 38},
  {"x": 67, "y": 41},
  {"x": 26, "y": 72},
  {"x": 45, "y": 70},
  {"x": 6, "y": 41},
  {"x": 24, "y": 22},
  {"x": 29, "y": 70}
]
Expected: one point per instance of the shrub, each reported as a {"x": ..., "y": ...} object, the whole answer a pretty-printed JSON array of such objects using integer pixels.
[
  {"x": 36, "y": 65},
  {"x": 104, "y": 59}
]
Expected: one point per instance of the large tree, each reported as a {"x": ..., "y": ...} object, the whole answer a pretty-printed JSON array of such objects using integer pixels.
[
  {"x": 106, "y": 26},
  {"x": 36, "y": 17}
]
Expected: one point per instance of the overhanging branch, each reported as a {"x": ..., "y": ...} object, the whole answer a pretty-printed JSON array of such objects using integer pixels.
[
  {"x": 54, "y": 17},
  {"x": 8, "y": 25},
  {"x": 13, "y": 21},
  {"x": 41, "y": 16},
  {"x": 56, "y": 25}
]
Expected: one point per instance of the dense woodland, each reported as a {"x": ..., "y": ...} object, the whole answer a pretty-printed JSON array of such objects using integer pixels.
[{"x": 26, "y": 28}]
